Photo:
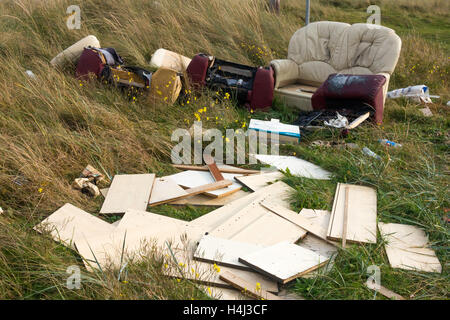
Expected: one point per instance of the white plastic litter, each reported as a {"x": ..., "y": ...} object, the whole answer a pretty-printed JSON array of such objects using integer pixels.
[
  {"x": 419, "y": 93},
  {"x": 30, "y": 74},
  {"x": 339, "y": 122},
  {"x": 1, "y": 210}
]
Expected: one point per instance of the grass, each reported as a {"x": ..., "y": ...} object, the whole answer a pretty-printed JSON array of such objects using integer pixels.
[{"x": 51, "y": 128}]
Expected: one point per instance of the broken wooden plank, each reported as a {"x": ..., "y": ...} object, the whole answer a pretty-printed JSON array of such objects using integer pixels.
[
  {"x": 316, "y": 244},
  {"x": 358, "y": 121},
  {"x": 304, "y": 223},
  {"x": 178, "y": 193},
  {"x": 246, "y": 287},
  {"x": 202, "y": 200},
  {"x": 321, "y": 247},
  {"x": 165, "y": 189},
  {"x": 407, "y": 248},
  {"x": 222, "y": 168},
  {"x": 384, "y": 291},
  {"x": 258, "y": 225},
  {"x": 69, "y": 223},
  {"x": 278, "y": 192},
  {"x": 284, "y": 261},
  {"x": 345, "y": 223},
  {"x": 257, "y": 181},
  {"x": 104, "y": 192},
  {"x": 362, "y": 214},
  {"x": 297, "y": 166},
  {"x": 213, "y": 169},
  {"x": 128, "y": 191},
  {"x": 223, "y": 252},
  {"x": 193, "y": 179},
  {"x": 225, "y": 293}
]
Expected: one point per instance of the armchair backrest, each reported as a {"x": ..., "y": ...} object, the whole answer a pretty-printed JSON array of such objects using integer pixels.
[{"x": 326, "y": 47}]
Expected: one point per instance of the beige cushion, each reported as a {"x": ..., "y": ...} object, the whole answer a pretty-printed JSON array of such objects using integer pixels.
[{"x": 73, "y": 53}]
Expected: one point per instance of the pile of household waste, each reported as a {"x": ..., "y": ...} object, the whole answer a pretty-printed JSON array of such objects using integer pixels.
[{"x": 251, "y": 245}]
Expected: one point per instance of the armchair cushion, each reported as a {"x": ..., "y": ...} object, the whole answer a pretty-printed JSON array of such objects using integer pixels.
[{"x": 351, "y": 91}]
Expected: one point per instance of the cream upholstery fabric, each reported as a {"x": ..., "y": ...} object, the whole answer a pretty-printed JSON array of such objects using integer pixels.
[
  {"x": 73, "y": 53},
  {"x": 322, "y": 48}
]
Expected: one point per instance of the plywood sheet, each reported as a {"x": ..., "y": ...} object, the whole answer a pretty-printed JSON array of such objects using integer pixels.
[
  {"x": 321, "y": 247},
  {"x": 247, "y": 287},
  {"x": 362, "y": 214},
  {"x": 258, "y": 225},
  {"x": 223, "y": 251},
  {"x": 257, "y": 181},
  {"x": 192, "y": 179},
  {"x": 165, "y": 189},
  {"x": 284, "y": 261},
  {"x": 297, "y": 167},
  {"x": 202, "y": 200},
  {"x": 222, "y": 167},
  {"x": 69, "y": 223},
  {"x": 131, "y": 244},
  {"x": 225, "y": 293},
  {"x": 407, "y": 248},
  {"x": 278, "y": 192},
  {"x": 289, "y": 215},
  {"x": 128, "y": 191}
]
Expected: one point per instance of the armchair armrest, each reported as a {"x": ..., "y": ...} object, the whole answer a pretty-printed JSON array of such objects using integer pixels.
[
  {"x": 386, "y": 85},
  {"x": 286, "y": 72}
]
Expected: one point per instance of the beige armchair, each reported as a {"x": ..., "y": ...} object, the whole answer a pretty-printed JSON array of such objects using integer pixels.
[{"x": 323, "y": 48}]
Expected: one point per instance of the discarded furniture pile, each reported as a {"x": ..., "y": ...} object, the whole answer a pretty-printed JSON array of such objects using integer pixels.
[{"x": 251, "y": 245}]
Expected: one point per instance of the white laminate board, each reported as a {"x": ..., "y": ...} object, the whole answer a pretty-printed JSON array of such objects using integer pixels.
[
  {"x": 297, "y": 166},
  {"x": 128, "y": 191},
  {"x": 284, "y": 261}
]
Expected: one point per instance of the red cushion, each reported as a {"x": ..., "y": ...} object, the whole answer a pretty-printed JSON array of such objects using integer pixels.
[
  {"x": 89, "y": 62},
  {"x": 341, "y": 89},
  {"x": 196, "y": 70},
  {"x": 262, "y": 93}
]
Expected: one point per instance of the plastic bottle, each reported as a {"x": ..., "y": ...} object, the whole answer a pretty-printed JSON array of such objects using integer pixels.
[
  {"x": 370, "y": 153},
  {"x": 389, "y": 143}
]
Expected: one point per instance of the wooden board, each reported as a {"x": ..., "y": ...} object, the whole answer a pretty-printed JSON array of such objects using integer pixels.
[
  {"x": 202, "y": 200},
  {"x": 316, "y": 244},
  {"x": 128, "y": 191},
  {"x": 407, "y": 248},
  {"x": 124, "y": 245},
  {"x": 278, "y": 192},
  {"x": 223, "y": 252},
  {"x": 223, "y": 168},
  {"x": 104, "y": 192},
  {"x": 213, "y": 169},
  {"x": 208, "y": 274},
  {"x": 128, "y": 244},
  {"x": 225, "y": 293},
  {"x": 362, "y": 214},
  {"x": 192, "y": 179},
  {"x": 321, "y": 247},
  {"x": 312, "y": 227},
  {"x": 284, "y": 261},
  {"x": 246, "y": 287},
  {"x": 179, "y": 193},
  {"x": 297, "y": 167},
  {"x": 165, "y": 189},
  {"x": 358, "y": 121},
  {"x": 384, "y": 291},
  {"x": 257, "y": 225},
  {"x": 257, "y": 181},
  {"x": 146, "y": 224},
  {"x": 69, "y": 223}
]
